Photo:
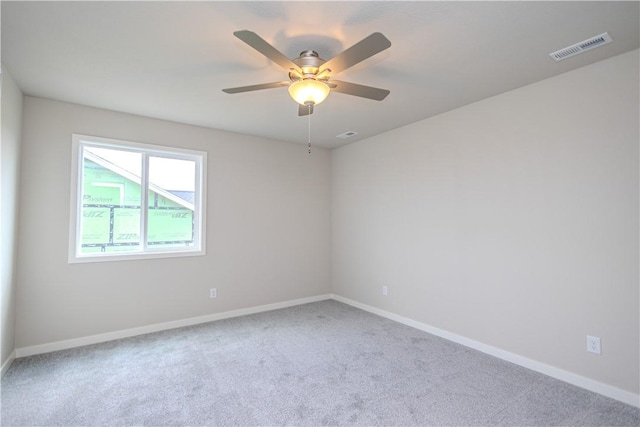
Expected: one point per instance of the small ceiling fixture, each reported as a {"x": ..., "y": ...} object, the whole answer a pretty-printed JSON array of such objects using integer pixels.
[{"x": 347, "y": 134}]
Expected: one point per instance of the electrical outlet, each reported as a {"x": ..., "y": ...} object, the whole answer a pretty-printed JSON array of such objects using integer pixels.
[
  {"x": 384, "y": 291},
  {"x": 593, "y": 344},
  {"x": 213, "y": 293}
]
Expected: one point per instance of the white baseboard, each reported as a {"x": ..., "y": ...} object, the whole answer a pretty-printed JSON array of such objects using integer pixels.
[
  {"x": 560, "y": 374},
  {"x": 110, "y": 336},
  {"x": 7, "y": 363}
]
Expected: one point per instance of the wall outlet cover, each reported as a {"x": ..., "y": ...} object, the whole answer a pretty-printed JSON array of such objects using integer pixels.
[{"x": 593, "y": 344}]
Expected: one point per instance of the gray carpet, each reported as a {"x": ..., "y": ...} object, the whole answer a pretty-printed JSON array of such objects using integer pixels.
[{"x": 324, "y": 363}]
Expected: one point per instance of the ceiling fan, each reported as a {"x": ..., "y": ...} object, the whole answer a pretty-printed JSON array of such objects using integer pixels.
[{"x": 310, "y": 77}]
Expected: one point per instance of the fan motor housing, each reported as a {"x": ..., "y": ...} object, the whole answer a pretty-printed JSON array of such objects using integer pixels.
[{"x": 309, "y": 61}]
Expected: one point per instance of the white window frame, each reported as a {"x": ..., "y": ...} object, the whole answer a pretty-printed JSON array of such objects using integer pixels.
[{"x": 144, "y": 251}]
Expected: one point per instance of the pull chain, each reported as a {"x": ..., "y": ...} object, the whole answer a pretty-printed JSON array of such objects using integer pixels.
[{"x": 309, "y": 131}]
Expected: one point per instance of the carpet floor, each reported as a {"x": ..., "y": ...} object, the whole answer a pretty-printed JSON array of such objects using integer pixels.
[{"x": 323, "y": 363}]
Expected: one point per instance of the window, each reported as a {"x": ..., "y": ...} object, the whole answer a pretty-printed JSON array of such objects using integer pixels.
[{"x": 132, "y": 200}]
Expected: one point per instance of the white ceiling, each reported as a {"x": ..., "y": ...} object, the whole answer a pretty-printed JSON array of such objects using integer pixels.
[{"x": 171, "y": 60}]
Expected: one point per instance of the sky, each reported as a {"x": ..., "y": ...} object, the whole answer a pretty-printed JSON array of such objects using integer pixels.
[{"x": 170, "y": 174}]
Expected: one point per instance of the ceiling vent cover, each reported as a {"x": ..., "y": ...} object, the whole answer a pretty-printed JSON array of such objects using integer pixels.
[
  {"x": 582, "y": 46},
  {"x": 347, "y": 134}
]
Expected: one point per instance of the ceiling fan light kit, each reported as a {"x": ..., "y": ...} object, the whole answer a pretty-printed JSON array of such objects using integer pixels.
[{"x": 308, "y": 91}]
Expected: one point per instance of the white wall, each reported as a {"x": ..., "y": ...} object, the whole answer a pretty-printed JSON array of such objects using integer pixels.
[
  {"x": 512, "y": 221},
  {"x": 10, "y": 162},
  {"x": 268, "y": 230}
]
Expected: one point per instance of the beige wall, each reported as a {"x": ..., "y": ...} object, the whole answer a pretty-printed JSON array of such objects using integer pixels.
[
  {"x": 268, "y": 230},
  {"x": 512, "y": 221},
  {"x": 10, "y": 163}
]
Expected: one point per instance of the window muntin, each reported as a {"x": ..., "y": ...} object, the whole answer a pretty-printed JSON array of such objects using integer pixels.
[{"x": 113, "y": 179}]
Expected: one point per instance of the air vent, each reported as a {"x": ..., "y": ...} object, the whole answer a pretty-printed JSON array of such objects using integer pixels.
[
  {"x": 583, "y": 46},
  {"x": 347, "y": 134}
]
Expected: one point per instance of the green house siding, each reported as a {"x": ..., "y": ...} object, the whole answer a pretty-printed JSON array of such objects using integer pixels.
[{"x": 111, "y": 214}]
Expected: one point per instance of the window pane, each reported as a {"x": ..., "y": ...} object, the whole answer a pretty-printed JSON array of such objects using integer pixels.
[
  {"x": 110, "y": 200},
  {"x": 171, "y": 202}
]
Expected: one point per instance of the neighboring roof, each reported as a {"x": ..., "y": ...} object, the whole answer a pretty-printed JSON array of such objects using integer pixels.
[{"x": 188, "y": 196}]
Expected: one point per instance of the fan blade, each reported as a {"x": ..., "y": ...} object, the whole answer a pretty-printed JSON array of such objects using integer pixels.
[
  {"x": 305, "y": 110},
  {"x": 362, "y": 91},
  {"x": 259, "y": 44},
  {"x": 255, "y": 87},
  {"x": 360, "y": 51}
]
